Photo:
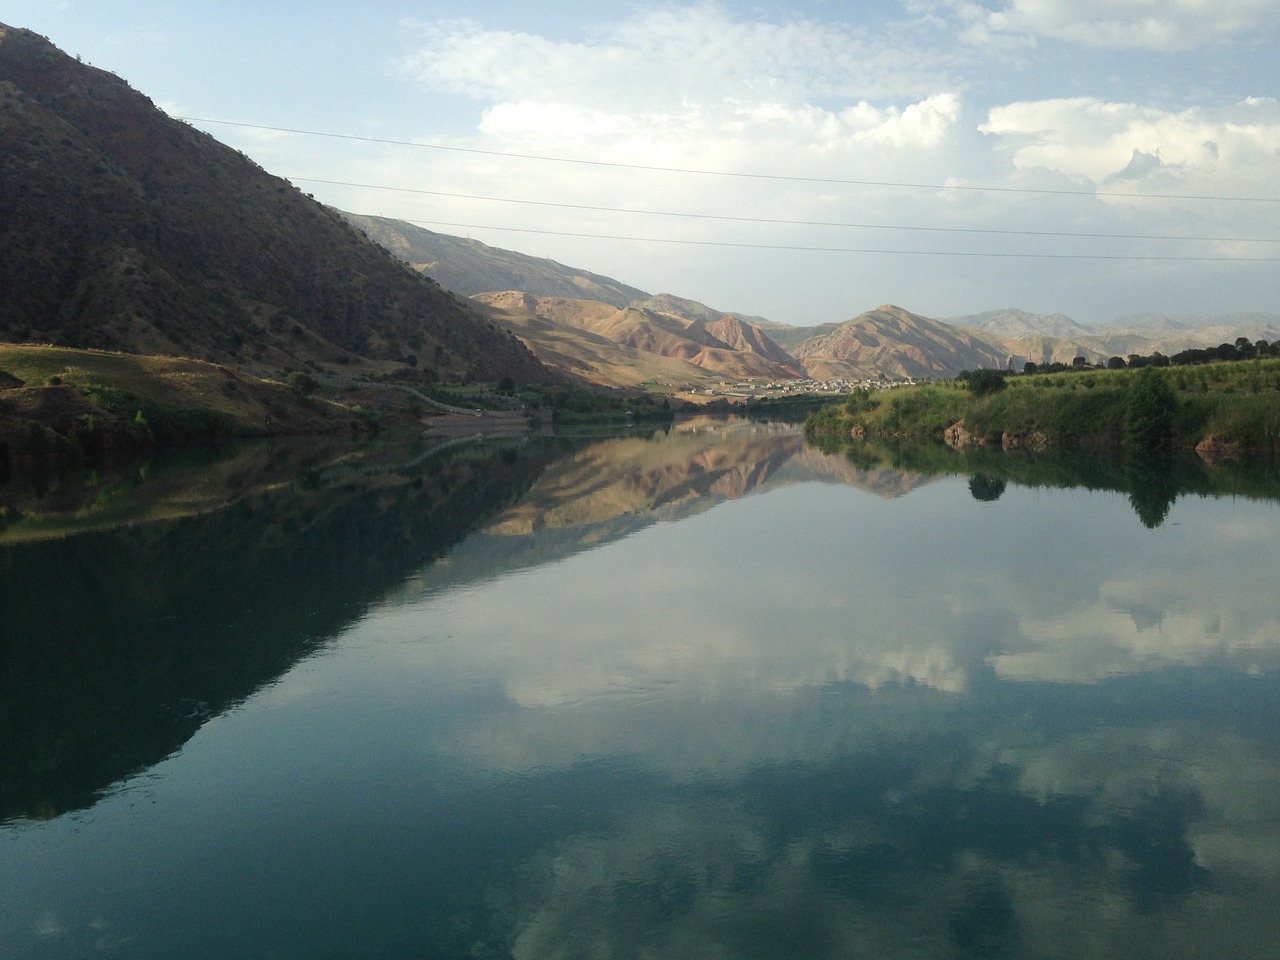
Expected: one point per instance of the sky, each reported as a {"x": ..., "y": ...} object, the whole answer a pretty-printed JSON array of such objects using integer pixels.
[{"x": 803, "y": 162}]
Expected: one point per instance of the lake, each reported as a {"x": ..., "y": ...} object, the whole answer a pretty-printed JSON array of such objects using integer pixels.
[{"x": 703, "y": 691}]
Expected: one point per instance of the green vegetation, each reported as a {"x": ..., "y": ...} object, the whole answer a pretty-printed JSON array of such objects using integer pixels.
[
  {"x": 63, "y": 402},
  {"x": 1234, "y": 405},
  {"x": 301, "y": 383},
  {"x": 1152, "y": 481},
  {"x": 1148, "y": 412},
  {"x": 983, "y": 382},
  {"x": 577, "y": 404}
]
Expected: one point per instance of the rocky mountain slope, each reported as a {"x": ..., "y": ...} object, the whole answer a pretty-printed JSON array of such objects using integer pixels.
[
  {"x": 122, "y": 228},
  {"x": 546, "y": 304},
  {"x": 626, "y": 346},
  {"x": 896, "y": 342}
]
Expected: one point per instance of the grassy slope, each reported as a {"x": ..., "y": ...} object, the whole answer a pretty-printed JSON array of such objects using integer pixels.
[
  {"x": 1234, "y": 402},
  {"x": 179, "y": 399}
]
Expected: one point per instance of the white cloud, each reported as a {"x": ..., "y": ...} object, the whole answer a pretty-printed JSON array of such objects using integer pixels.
[
  {"x": 669, "y": 56},
  {"x": 1117, "y": 24},
  {"x": 679, "y": 76},
  {"x": 1096, "y": 140}
]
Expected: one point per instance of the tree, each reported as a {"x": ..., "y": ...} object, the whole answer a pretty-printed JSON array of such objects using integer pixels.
[
  {"x": 983, "y": 382},
  {"x": 1152, "y": 487},
  {"x": 1148, "y": 412},
  {"x": 1115, "y": 363}
]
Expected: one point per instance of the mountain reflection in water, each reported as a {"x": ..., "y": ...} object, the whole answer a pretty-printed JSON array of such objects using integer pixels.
[{"x": 707, "y": 691}]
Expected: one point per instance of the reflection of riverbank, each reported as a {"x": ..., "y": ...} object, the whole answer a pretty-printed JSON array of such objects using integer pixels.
[
  {"x": 805, "y": 722},
  {"x": 1152, "y": 482},
  {"x": 50, "y": 502},
  {"x": 119, "y": 643}
]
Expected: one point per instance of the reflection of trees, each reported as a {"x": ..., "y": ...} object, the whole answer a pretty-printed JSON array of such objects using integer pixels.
[
  {"x": 1152, "y": 487},
  {"x": 118, "y": 645},
  {"x": 985, "y": 487},
  {"x": 1153, "y": 480}
]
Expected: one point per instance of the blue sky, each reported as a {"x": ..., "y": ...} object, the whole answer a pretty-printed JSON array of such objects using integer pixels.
[{"x": 804, "y": 162}]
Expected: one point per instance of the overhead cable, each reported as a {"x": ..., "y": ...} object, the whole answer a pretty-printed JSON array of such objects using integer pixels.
[{"x": 730, "y": 173}]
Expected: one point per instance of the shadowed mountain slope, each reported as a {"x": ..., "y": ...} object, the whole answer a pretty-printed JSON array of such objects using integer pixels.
[
  {"x": 468, "y": 267},
  {"x": 122, "y": 228}
]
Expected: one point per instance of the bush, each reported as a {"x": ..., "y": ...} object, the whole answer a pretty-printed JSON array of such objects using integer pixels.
[
  {"x": 983, "y": 382},
  {"x": 301, "y": 383}
]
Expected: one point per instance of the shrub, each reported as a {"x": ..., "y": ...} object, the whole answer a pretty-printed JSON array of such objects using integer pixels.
[
  {"x": 983, "y": 382},
  {"x": 301, "y": 383}
]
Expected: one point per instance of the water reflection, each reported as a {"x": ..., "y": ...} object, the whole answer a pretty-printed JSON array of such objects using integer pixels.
[
  {"x": 711, "y": 692},
  {"x": 122, "y": 641},
  {"x": 1153, "y": 482}
]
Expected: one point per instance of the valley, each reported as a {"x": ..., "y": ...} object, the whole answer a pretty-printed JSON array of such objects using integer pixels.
[{"x": 127, "y": 232}]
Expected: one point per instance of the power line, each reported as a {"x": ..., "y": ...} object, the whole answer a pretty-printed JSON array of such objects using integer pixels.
[
  {"x": 783, "y": 222},
  {"x": 863, "y": 250},
  {"x": 728, "y": 173}
]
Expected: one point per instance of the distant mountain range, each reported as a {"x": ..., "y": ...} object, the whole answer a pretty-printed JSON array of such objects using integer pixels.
[
  {"x": 1045, "y": 338},
  {"x": 608, "y": 332}
]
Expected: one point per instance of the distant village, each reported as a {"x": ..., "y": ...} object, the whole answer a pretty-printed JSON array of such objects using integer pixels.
[{"x": 758, "y": 389}]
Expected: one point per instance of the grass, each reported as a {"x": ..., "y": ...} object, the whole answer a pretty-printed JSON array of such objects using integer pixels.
[
  {"x": 1236, "y": 402},
  {"x": 174, "y": 399}
]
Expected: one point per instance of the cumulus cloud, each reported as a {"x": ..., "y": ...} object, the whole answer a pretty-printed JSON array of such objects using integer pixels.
[
  {"x": 1097, "y": 140},
  {"x": 1117, "y": 24}
]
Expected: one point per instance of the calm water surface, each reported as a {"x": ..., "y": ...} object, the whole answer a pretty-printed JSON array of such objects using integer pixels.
[{"x": 706, "y": 693}]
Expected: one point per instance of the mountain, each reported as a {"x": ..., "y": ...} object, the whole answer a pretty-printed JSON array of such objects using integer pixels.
[
  {"x": 1046, "y": 338},
  {"x": 1042, "y": 338},
  {"x": 789, "y": 337},
  {"x": 693, "y": 310},
  {"x": 725, "y": 344},
  {"x": 896, "y": 342},
  {"x": 1013, "y": 323},
  {"x": 1257, "y": 326},
  {"x": 630, "y": 345},
  {"x": 122, "y": 228},
  {"x": 468, "y": 267},
  {"x": 580, "y": 353}
]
